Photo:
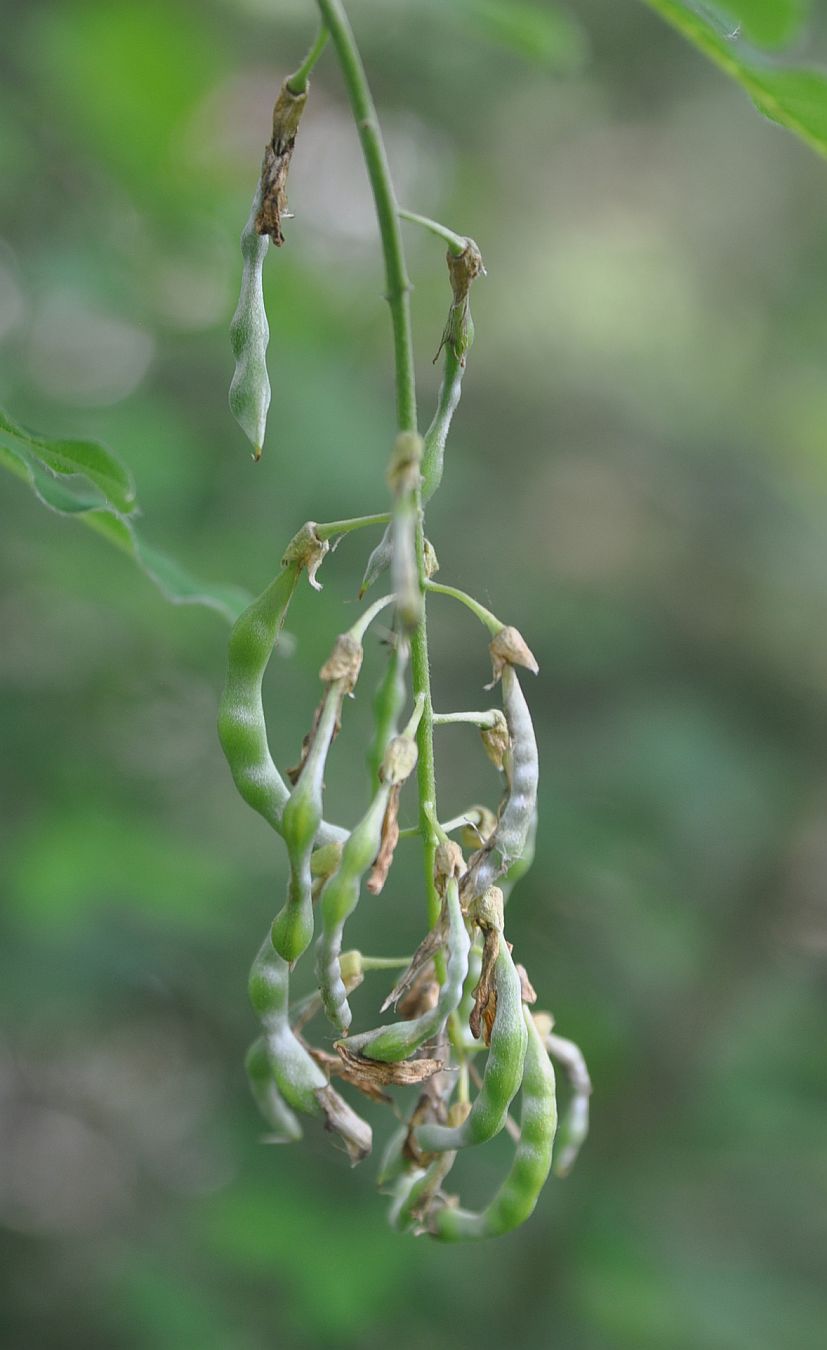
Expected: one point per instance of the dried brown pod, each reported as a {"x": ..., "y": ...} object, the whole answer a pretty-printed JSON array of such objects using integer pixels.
[
  {"x": 401, "y": 1074},
  {"x": 276, "y": 163},
  {"x": 390, "y": 838}
]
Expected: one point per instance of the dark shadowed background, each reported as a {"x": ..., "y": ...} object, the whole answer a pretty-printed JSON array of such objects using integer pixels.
[{"x": 637, "y": 479}]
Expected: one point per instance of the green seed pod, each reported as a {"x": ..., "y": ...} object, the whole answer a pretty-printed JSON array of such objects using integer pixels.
[
  {"x": 242, "y": 729},
  {"x": 517, "y": 1197},
  {"x": 284, "y": 1124},
  {"x": 520, "y": 807},
  {"x": 338, "y": 900},
  {"x": 414, "y": 1194},
  {"x": 456, "y": 339},
  {"x": 404, "y": 478},
  {"x": 249, "y": 335},
  {"x": 503, "y": 1069},
  {"x": 399, "y": 1040},
  {"x": 378, "y": 562},
  {"x": 302, "y": 815},
  {"x": 298, "y": 1078},
  {"x": 387, "y": 705}
]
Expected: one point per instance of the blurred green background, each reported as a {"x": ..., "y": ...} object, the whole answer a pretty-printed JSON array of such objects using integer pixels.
[{"x": 637, "y": 478}]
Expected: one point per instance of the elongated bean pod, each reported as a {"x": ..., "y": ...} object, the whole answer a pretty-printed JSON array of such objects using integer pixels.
[
  {"x": 503, "y": 1069},
  {"x": 283, "y": 1122},
  {"x": 414, "y": 1193},
  {"x": 249, "y": 335},
  {"x": 517, "y": 1197},
  {"x": 574, "y": 1126},
  {"x": 404, "y": 479},
  {"x": 242, "y": 729},
  {"x": 379, "y": 560},
  {"x": 433, "y": 454},
  {"x": 518, "y": 812},
  {"x": 338, "y": 900},
  {"x": 301, "y": 818},
  {"x": 301, "y": 1083},
  {"x": 387, "y": 706},
  {"x": 399, "y": 1040}
]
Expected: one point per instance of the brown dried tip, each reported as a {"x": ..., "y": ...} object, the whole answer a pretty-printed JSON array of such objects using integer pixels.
[
  {"x": 508, "y": 647},
  {"x": 355, "y": 1133},
  {"x": 308, "y": 550},
  {"x": 276, "y": 163},
  {"x": 496, "y": 741},
  {"x": 294, "y": 774},
  {"x": 527, "y": 990},
  {"x": 423, "y": 995},
  {"x": 422, "y": 958},
  {"x": 377, "y": 1072},
  {"x": 485, "y": 995},
  {"x": 387, "y": 847},
  {"x": 406, "y": 457},
  {"x": 344, "y": 662}
]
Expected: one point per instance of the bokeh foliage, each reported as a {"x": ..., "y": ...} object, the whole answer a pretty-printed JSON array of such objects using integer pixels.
[{"x": 638, "y": 478}]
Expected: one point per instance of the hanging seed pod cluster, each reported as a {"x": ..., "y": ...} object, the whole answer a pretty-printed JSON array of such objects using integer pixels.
[{"x": 462, "y": 1054}]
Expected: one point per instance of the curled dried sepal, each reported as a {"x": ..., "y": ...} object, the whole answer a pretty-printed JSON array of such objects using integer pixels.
[
  {"x": 390, "y": 838},
  {"x": 421, "y": 959},
  {"x": 430, "y": 559},
  {"x": 487, "y": 913},
  {"x": 344, "y": 662},
  {"x": 249, "y": 334},
  {"x": 307, "y": 550},
  {"x": 448, "y": 862},
  {"x": 509, "y": 647},
  {"x": 463, "y": 268},
  {"x": 496, "y": 740},
  {"x": 400, "y": 1074},
  {"x": 527, "y": 989},
  {"x": 399, "y": 760},
  {"x": 278, "y": 152}
]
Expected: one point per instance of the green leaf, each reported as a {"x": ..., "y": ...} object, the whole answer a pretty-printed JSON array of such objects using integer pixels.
[
  {"x": 793, "y": 96},
  {"x": 85, "y": 480}
]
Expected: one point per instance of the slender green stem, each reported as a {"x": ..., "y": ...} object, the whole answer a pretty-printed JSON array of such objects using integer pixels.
[
  {"x": 492, "y": 718},
  {"x": 334, "y": 527},
  {"x": 398, "y": 289},
  {"x": 361, "y": 625},
  {"x": 385, "y": 962},
  {"x": 397, "y": 283},
  {"x": 457, "y": 243},
  {"x": 491, "y": 622},
  {"x": 297, "y": 82}
]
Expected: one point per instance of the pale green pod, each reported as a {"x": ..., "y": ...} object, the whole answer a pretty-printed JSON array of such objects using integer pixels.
[
  {"x": 379, "y": 560},
  {"x": 284, "y": 1124},
  {"x": 387, "y": 705},
  {"x": 516, "y": 1199},
  {"x": 301, "y": 818},
  {"x": 519, "y": 810},
  {"x": 249, "y": 335},
  {"x": 399, "y": 1040},
  {"x": 503, "y": 1069},
  {"x": 301, "y": 1083},
  {"x": 338, "y": 900},
  {"x": 433, "y": 455},
  {"x": 574, "y": 1126},
  {"x": 242, "y": 729}
]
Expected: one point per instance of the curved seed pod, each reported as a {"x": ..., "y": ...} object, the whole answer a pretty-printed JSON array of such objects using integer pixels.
[
  {"x": 242, "y": 729},
  {"x": 284, "y": 1125},
  {"x": 456, "y": 339},
  {"x": 387, "y": 706},
  {"x": 503, "y": 1069},
  {"x": 517, "y": 1197},
  {"x": 302, "y": 815},
  {"x": 521, "y": 865},
  {"x": 520, "y": 807},
  {"x": 301, "y": 1083},
  {"x": 414, "y": 1194},
  {"x": 249, "y": 335},
  {"x": 340, "y": 895},
  {"x": 393, "y": 1162},
  {"x": 338, "y": 900},
  {"x": 399, "y": 1040},
  {"x": 379, "y": 560},
  {"x": 403, "y": 479},
  {"x": 468, "y": 1000},
  {"x": 574, "y": 1126}
]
